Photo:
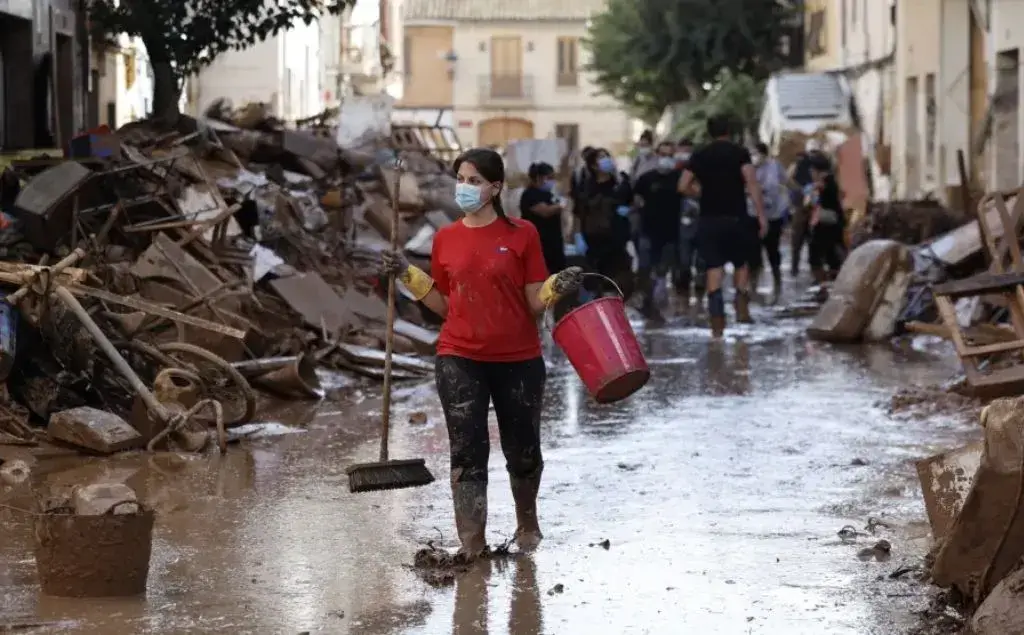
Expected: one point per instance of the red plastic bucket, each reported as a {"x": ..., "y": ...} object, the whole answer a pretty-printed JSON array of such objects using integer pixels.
[{"x": 602, "y": 347}]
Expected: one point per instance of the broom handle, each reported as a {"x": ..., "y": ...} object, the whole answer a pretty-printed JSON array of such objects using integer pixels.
[{"x": 389, "y": 331}]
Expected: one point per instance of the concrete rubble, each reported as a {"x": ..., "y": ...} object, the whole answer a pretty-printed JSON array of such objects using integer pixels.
[{"x": 233, "y": 252}]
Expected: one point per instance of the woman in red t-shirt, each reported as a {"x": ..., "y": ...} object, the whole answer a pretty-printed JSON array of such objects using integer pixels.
[{"x": 489, "y": 283}]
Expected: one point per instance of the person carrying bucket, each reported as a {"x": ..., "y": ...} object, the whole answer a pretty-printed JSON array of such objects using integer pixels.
[
  {"x": 725, "y": 174},
  {"x": 489, "y": 283}
]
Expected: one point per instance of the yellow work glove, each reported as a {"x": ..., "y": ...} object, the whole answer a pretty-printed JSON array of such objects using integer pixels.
[
  {"x": 415, "y": 279},
  {"x": 417, "y": 282},
  {"x": 565, "y": 281}
]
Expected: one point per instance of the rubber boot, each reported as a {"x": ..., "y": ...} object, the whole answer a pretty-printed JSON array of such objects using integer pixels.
[
  {"x": 776, "y": 287},
  {"x": 819, "y": 274},
  {"x": 524, "y": 493},
  {"x": 470, "y": 501},
  {"x": 742, "y": 305},
  {"x": 717, "y": 326}
]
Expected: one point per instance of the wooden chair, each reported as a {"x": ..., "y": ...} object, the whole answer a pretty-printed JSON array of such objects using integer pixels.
[{"x": 1005, "y": 279}]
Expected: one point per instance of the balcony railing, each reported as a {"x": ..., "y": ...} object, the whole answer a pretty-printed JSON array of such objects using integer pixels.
[{"x": 506, "y": 89}]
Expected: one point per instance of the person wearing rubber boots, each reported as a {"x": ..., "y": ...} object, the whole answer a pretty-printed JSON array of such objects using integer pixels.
[
  {"x": 799, "y": 229},
  {"x": 725, "y": 175},
  {"x": 489, "y": 284},
  {"x": 657, "y": 244}
]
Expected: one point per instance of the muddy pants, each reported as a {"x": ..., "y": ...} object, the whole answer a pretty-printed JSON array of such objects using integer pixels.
[
  {"x": 770, "y": 242},
  {"x": 466, "y": 389}
]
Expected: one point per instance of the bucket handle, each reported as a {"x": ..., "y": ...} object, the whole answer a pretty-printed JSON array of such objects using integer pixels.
[
  {"x": 110, "y": 510},
  {"x": 549, "y": 318}
]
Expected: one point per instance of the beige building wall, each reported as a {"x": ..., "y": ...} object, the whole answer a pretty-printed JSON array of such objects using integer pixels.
[
  {"x": 915, "y": 143},
  {"x": 427, "y": 74},
  {"x": 822, "y": 35}
]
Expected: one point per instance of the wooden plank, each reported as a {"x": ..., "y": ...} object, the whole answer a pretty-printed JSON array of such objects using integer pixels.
[{"x": 979, "y": 284}]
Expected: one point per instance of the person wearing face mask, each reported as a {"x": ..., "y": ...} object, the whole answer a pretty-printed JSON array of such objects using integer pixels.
[
  {"x": 489, "y": 283},
  {"x": 660, "y": 208},
  {"x": 774, "y": 181},
  {"x": 604, "y": 210},
  {"x": 645, "y": 159},
  {"x": 541, "y": 207}
]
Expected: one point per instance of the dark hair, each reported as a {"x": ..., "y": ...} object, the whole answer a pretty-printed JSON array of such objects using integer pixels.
[
  {"x": 647, "y": 135},
  {"x": 718, "y": 126},
  {"x": 685, "y": 141},
  {"x": 671, "y": 146},
  {"x": 589, "y": 154},
  {"x": 762, "y": 148},
  {"x": 586, "y": 150},
  {"x": 490, "y": 166},
  {"x": 539, "y": 170}
]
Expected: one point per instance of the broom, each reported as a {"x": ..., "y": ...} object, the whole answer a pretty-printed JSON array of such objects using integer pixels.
[{"x": 387, "y": 474}]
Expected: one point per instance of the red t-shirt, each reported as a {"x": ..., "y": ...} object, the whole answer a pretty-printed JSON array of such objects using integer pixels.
[{"x": 483, "y": 272}]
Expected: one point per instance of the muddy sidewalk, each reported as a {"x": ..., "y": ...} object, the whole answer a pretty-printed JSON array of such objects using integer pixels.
[{"x": 712, "y": 502}]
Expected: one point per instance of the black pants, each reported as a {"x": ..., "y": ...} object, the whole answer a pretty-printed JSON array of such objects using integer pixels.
[
  {"x": 799, "y": 233},
  {"x": 826, "y": 246},
  {"x": 770, "y": 242},
  {"x": 753, "y": 236},
  {"x": 466, "y": 389},
  {"x": 724, "y": 239},
  {"x": 607, "y": 255}
]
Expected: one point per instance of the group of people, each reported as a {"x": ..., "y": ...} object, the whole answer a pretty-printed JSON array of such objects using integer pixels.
[{"x": 687, "y": 212}]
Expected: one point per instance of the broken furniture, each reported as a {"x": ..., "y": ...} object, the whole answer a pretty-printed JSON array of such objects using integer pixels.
[{"x": 1005, "y": 280}]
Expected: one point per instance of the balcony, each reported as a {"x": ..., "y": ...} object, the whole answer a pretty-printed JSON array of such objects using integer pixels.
[{"x": 506, "y": 90}]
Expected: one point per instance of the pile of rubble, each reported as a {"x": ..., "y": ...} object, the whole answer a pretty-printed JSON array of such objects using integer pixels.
[{"x": 155, "y": 277}]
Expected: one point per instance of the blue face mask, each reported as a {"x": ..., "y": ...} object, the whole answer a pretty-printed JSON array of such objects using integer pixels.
[
  {"x": 606, "y": 165},
  {"x": 547, "y": 186},
  {"x": 468, "y": 197}
]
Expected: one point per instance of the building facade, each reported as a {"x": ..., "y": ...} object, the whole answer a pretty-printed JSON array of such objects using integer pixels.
[
  {"x": 122, "y": 83},
  {"x": 43, "y": 87},
  {"x": 508, "y": 71},
  {"x": 283, "y": 71}
]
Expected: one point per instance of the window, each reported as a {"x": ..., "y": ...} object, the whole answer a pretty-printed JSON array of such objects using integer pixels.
[
  {"x": 568, "y": 71},
  {"x": 930, "y": 120},
  {"x": 571, "y": 133}
]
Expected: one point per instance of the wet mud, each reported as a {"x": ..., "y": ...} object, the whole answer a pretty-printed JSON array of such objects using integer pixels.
[{"x": 757, "y": 485}]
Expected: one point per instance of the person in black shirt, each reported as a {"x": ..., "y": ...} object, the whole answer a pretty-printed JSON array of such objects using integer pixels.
[
  {"x": 800, "y": 174},
  {"x": 660, "y": 207},
  {"x": 827, "y": 222},
  {"x": 603, "y": 208},
  {"x": 724, "y": 174},
  {"x": 540, "y": 206}
]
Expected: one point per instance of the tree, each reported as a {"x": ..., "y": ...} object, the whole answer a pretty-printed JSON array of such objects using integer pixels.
[
  {"x": 737, "y": 96},
  {"x": 183, "y": 36},
  {"x": 649, "y": 54}
]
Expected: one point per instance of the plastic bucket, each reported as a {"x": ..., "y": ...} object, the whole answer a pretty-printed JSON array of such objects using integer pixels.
[{"x": 602, "y": 347}]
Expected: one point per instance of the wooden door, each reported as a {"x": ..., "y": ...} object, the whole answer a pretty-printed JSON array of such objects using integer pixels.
[
  {"x": 506, "y": 66},
  {"x": 499, "y": 131}
]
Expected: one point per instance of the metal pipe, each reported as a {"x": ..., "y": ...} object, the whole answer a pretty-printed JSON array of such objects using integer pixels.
[
  {"x": 112, "y": 353},
  {"x": 254, "y": 367}
]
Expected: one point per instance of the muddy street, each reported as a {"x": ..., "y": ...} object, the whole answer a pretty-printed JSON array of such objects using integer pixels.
[{"x": 711, "y": 502}]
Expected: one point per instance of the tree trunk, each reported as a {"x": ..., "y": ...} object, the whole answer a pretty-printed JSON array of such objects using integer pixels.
[{"x": 166, "y": 92}]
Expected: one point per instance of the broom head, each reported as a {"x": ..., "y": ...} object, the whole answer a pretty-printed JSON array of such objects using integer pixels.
[{"x": 371, "y": 477}]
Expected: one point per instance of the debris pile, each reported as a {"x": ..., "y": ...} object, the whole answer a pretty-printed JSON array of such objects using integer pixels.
[{"x": 155, "y": 275}]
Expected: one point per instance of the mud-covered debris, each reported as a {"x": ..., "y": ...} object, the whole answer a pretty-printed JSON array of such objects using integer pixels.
[
  {"x": 418, "y": 418},
  {"x": 440, "y": 567},
  {"x": 848, "y": 533},
  {"x": 874, "y": 524},
  {"x": 929, "y": 401},
  {"x": 629, "y": 467},
  {"x": 604, "y": 544},
  {"x": 14, "y": 472},
  {"x": 558, "y": 588},
  {"x": 881, "y": 551},
  {"x": 859, "y": 462}
]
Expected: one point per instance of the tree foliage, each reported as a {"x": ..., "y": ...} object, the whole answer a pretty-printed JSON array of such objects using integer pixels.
[
  {"x": 739, "y": 97},
  {"x": 651, "y": 53},
  {"x": 183, "y": 36}
]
